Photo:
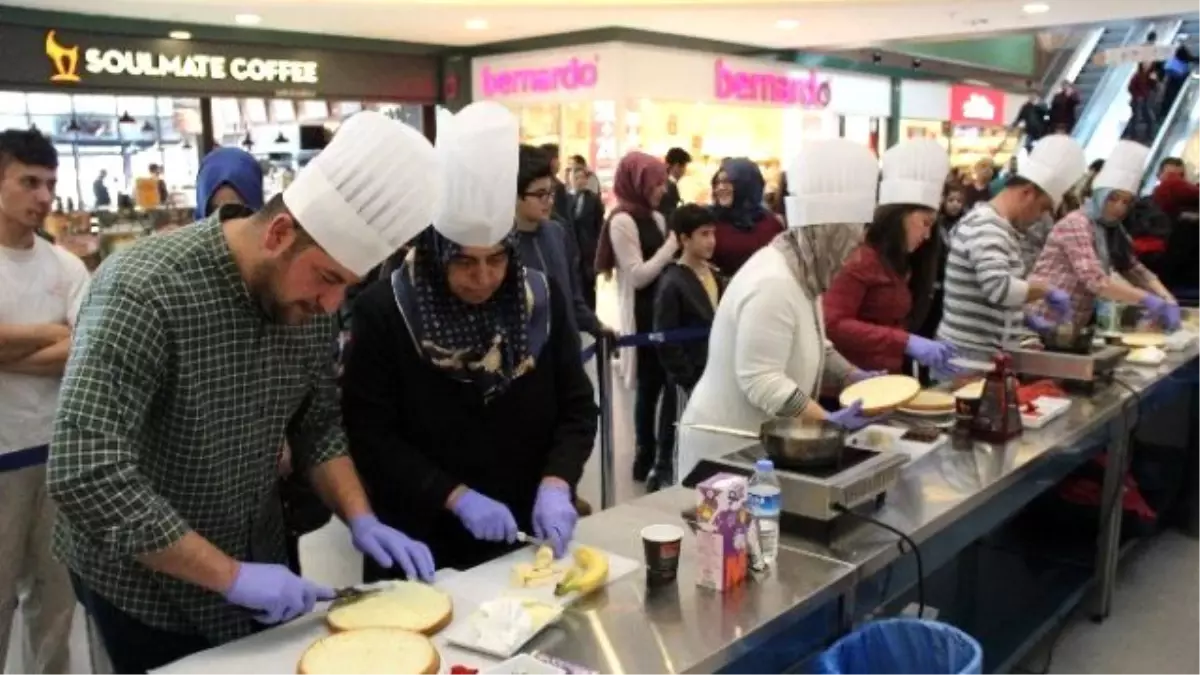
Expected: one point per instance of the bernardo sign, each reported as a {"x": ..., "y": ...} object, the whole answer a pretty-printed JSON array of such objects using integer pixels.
[{"x": 191, "y": 65}]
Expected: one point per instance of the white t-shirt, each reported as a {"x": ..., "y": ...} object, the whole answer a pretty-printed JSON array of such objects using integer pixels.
[{"x": 43, "y": 284}]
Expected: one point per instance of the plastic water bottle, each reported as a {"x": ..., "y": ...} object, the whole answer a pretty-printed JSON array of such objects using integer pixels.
[{"x": 764, "y": 500}]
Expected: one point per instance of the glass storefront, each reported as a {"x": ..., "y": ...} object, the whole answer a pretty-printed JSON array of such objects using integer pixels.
[{"x": 115, "y": 139}]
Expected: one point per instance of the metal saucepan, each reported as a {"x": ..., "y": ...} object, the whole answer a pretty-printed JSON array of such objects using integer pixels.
[{"x": 791, "y": 442}]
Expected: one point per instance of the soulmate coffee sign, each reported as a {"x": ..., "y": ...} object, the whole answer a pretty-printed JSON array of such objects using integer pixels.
[
  {"x": 569, "y": 75},
  {"x": 76, "y": 60},
  {"x": 806, "y": 91}
]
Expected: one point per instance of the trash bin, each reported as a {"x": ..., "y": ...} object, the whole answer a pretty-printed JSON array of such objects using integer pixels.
[{"x": 903, "y": 646}]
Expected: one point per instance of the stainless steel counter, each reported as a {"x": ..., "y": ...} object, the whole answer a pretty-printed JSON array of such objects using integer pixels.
[
  {"x": 629, "y": 628},
  {"x": 689, "y": 629}
]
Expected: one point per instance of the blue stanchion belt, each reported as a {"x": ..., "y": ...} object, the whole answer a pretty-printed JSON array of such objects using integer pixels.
[
  {"x": 23, "y": 459},
  {"x": 651, "y": 339}
]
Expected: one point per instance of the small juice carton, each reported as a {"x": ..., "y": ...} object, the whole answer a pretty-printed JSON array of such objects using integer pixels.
[{"x": 722, "y": 524}]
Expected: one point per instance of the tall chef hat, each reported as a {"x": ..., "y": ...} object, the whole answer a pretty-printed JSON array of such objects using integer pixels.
[
  {"x": 1055, "y": 164},
  {"x": 479, "y": 153},
  {"x": 1124, "y": 167},
  {"x": 831, "y": 181},
  {"x": 368, "y": 192},
  {"x": 914, "y": 172}
]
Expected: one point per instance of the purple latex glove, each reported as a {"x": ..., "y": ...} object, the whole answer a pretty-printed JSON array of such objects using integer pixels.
[
  {"x": 554, "y": 517},
  {"x": 930, "y": 353},
  {"x": 1170, "y": 317},
  {"x": 859, "y": 375},
  {"x": 485, "y": 518},
  {"x": 274, "y": 593},
  {"x": 1037, "y": 324},
  {"x": 851, "y": 418},
  {"x": 1162, "y": 311},
  {"x": 1059, "y": 302},
  {"x": 390, "y": 548}
]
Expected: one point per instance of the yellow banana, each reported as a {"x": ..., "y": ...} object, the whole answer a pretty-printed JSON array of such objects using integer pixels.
[{"x": 589, "y": 573}]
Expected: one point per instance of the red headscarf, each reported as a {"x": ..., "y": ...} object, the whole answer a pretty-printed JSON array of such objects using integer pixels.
[{"x": 638, "y": 175}]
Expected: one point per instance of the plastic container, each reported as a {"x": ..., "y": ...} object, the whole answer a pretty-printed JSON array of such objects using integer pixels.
[
  {"x": 764, "y": 501},
  {"x": 903, "y": 646}
]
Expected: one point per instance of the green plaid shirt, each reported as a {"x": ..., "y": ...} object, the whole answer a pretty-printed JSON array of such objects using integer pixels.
[{"x": 175, "y": 401}]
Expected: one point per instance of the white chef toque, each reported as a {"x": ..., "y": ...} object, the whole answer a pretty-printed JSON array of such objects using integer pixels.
[
  {"x": 1054, "y": 165},
  {"x": 914, "y": 172},
  {"x": 831, "y": 181},
  {"x": 370, "y": 191},
  {"x": 1124, "y": 168},
  {"x": 479, "y": 151}
]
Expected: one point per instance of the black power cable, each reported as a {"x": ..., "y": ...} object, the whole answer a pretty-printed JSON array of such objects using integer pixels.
[{"x": 904, "y": 540}]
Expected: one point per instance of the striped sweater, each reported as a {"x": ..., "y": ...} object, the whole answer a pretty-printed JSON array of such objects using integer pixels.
[{"x": 984, "y": 285}]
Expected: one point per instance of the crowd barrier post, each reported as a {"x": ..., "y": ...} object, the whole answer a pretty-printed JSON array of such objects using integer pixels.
[{"x": 608, "y": 477}]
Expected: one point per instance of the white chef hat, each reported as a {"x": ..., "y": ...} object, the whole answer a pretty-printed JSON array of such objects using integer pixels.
[
  {"x": 914, "y": 172},
  {"x": 1124, "y": 167},
  {"x": 831, "y": 180},
  {"x": 369, "y": 192},
  {"x": 479, "y": 150},
  {"x": 1055, "y": 164}
]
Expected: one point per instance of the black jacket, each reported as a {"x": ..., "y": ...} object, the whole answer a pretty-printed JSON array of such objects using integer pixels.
[
  {"x": 670, "y": 201},
  {"x": 587, "y": 219},
  {"x": 682, "y": 302},
  {"x": 416, "y": 433},
  {"x": 562, "y": 203},
  {"x": 1033, "y": 115}
]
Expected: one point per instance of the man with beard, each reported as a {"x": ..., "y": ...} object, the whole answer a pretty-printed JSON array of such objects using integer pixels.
[{"x": 194, "y": 354}]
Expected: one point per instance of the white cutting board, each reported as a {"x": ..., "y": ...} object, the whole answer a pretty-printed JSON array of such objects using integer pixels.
[
  {"x": 1049, "y": 408},
  {"x": 278, "y": 649},
  {"x": 863, "y": 438}
]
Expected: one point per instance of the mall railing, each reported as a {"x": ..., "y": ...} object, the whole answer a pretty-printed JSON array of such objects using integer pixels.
[
  {"x": 1180, "y": 120},
  {"x": 602, "y": 350},
  {"x": 1112, "y": 99}
]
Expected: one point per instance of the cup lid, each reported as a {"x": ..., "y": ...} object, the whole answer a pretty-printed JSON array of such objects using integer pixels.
[{"x": 662, "y": 533}]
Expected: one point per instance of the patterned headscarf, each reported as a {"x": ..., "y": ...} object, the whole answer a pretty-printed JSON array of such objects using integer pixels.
[
  {"x": 487, "y": 344},
  {"x": 1113, "y": 246},
  {"x": 748, "y": 185},
  {"x": 816, "y": 252}
]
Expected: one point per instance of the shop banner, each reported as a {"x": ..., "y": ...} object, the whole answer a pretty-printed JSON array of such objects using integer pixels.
[
  {"x": 978, "y": 106},
  {"x": 544, "y": 76},
  {"x": 68, "y": 60},
  {"x": 807, "y": 90}
]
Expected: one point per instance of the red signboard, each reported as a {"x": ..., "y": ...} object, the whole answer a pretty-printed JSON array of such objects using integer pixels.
[{"x": 977, "y": 106}]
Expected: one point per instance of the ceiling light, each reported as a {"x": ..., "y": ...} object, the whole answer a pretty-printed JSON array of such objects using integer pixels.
[
  {"x": 787, "y": 24},
  {"x": 247, "y": 19},
  {"x": 476, "y": 24},
  {"x": 1036, "y": 8},
  {"x": 126, "y": 119},
  {"x": 179, "y": 35}
]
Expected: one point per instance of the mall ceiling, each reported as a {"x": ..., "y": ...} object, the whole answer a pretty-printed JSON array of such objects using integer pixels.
[{"x": 776, "y": 24}]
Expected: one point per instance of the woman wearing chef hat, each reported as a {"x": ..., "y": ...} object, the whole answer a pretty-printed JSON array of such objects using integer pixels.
[
  {"x": 868, "y": 306},
  {"x": 1089, "y": 254},
  {"x": 467, "y": 407},
  {"x": 767, "y": 353}
]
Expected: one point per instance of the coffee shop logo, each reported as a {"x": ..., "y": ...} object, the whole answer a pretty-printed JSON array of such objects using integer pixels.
[
  {"x": 65, "y": 60},
  {"x": 195, "y": 66},
  {"x": 806, "y": 91},
  {"x": 569, "y": 75}
]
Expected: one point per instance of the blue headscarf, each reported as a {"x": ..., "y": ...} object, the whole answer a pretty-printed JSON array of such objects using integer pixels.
[
  {"x": 748, "y": 184},
  {"x": 233, "y": 167},
  {"x": 1112, "y": 243}
]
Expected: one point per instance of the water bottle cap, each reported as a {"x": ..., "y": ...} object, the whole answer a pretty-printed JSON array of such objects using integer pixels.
[{"x": 764, "y": 465}]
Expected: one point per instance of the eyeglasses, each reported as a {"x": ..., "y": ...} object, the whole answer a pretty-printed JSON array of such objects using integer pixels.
[{"x": 544, "y": 195}]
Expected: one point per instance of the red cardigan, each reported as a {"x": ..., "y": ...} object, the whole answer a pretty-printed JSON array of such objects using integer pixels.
[
  {"x": 734, "y": 246},
  {"x": 866, "y": 312}
]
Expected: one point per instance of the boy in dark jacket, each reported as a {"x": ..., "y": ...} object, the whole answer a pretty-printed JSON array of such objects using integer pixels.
[{"x": 688, "y": 293}]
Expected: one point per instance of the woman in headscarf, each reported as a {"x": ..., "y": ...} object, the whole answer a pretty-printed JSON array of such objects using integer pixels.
[
  {"x": 228, "y": 177},
  {"x": 744, "y": 224},
  {"x": 767, "y": 354},
  {"x": 467, "y": 408},
  {"x": 1089, "y": 255},
  {"x": 636, "y": 246},
  {"x": 868, "y": 307}
]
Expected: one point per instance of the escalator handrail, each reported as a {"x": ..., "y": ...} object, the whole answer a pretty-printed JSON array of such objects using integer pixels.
[
  {"x": 1102, "y": 96},
  {"x": 1079, "y": 58},
  {"x": 1185, "y": 97}
]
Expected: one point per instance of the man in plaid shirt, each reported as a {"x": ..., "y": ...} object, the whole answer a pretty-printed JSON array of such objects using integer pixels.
[{"x": 194, "y": 354}]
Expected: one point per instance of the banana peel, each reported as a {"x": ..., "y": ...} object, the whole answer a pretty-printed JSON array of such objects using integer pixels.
[{"x": 589, "y": 573}]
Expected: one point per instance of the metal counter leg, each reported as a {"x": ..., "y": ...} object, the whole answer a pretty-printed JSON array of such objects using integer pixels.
[{"x": 1109, "y": 544}]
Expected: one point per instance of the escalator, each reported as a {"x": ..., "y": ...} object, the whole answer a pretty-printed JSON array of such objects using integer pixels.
[
  {"x": 1177, "y": 129},
  {"x": 1115, "y": 34}
]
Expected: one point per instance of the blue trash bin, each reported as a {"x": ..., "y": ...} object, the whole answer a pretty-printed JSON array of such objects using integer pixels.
[{"x": 903, "y": 646}]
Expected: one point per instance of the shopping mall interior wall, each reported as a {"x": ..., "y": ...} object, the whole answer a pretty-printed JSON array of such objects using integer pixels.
[{"x": 1008, "y": 53}]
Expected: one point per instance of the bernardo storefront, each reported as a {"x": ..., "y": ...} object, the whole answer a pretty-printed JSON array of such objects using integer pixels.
[
  {"x": 116, "y": 104},
  {"x": 601, "y": 101}
]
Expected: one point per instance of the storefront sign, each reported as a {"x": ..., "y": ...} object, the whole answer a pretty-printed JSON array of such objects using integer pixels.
[
  {"x": 74, "y": 60},
  {"x": 569, "y": 75},
  {"x": 976, "y": 105},
  {"x": 808, "y": 91}
]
